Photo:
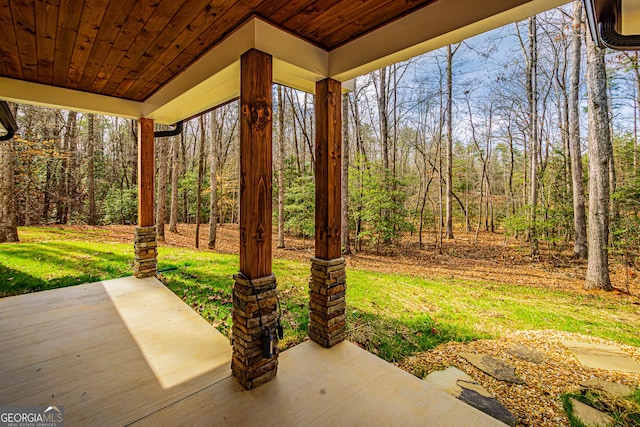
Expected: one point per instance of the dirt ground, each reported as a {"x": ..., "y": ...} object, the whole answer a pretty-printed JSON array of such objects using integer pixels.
[{"x": 492, "y": 258}]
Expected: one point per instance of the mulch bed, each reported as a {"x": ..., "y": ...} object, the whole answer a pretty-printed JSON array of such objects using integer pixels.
[{"x": 536, "y": 403}]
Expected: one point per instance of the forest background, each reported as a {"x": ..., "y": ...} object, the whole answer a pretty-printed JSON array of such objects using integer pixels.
[{"x": 528, "y": 130}]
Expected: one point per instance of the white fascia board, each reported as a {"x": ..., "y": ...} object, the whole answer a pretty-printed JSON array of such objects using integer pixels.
[
  {"x": 291, "y": 49},
  {"x": 55, "y": 97},
  {"x": 184, "y": 96},
  {"x": 349, "y": 86},
  {"x": 216, "y": 90},
  {"x": 432, "y": 27},
  {"x": 215, "y": 78}
]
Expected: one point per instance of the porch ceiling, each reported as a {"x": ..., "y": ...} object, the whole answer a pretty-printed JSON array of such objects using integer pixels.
[{"x": 170, "y": 59}]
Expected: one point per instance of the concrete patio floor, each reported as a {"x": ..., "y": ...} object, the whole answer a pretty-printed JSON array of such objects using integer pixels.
[{"x": 128, "y": 351}]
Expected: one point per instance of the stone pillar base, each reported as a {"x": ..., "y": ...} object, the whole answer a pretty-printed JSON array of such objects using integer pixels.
[
  {"x": 327, "y": 305},
  {"x": 145, "y": 244},
  {"x": 255, "y": 310}
]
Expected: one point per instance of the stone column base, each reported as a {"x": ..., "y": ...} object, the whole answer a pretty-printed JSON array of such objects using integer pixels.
[
  {"x": 145, "y": 244},
  {"x": 255, "y": 311},
  {"x": 327, "y": 305}
]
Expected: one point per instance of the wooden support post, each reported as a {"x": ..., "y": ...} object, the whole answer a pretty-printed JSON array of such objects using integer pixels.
[
  {"x": 145, "y": 240},
  {"x": 255, "y": 313},
  {"x": 146, "y": 173},
  {"x": 328, "y": 103},
  {"x": 255, "y": 164},
  {"x": 327, "y": 306}
]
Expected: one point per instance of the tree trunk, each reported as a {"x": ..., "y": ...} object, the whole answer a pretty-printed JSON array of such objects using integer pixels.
[
  {"x": 488, "y": 223},
  {"x": 8, "y": 214},
  {"x": 346, "y": 247},
  {"x": 599, "y": 153},
  {"x": 512, "y": 199},
  {"x": 361, "y": 160},
  {"x": 203, "y": 136},
  {"x": 449, "y": 172},
  {"x": 175, "y": 171},
  {"x": 134, "y": 156},
  {"x": 280, "y": 168},
  {"x": 579, "y": 215},
  {"x": 161, "y": 201},
  {"x": 213, "y": 181},
  {"x": 47, "y": 186},
  {"x": 383, "y": 106},
  {"x": 613, "y": 183},
  {"x": 64, "y": 188},
  {"x": 72, "y": 169},
  {"x": 467, "y": 219},
  {"x": 636, "y": 70},
  {"x": 440, "y": 216},
  {"x": 91, "y": 183},
  {"x": 532, "y": 89},
  {"x": 183, "y": 163}
]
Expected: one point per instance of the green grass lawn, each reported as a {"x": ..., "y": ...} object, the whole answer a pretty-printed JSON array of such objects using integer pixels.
[{"x": 391, "y": 315}]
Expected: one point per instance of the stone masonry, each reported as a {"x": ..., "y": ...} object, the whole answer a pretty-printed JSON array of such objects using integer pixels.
[
  {"x": 146, "y": 252},
  {"x": 327, "y": 305},
  {"x": 255, "y": 306}
]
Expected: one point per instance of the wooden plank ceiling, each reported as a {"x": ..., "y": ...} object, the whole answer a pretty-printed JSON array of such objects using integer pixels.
[{"x": 130, "y": 48}]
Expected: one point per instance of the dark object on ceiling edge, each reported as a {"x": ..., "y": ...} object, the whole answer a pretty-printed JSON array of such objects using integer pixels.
[
  {"x": 7, "y": 121},
  {"x": 604, "y": 19}
]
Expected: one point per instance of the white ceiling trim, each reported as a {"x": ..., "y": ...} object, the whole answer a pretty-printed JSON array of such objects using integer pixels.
[
  {"x": 56, "y": 97},
  {"x": 215, "y": 78}
]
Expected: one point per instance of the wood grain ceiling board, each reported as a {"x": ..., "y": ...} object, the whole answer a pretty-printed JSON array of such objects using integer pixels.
[
  {"x": 212, "y": 29},
  {"x": 331, "y": 23},
  {"x": 129, "y": 49}
]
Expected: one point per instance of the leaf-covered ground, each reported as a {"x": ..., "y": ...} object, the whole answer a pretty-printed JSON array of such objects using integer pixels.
[{"x": 493, "y": 258}]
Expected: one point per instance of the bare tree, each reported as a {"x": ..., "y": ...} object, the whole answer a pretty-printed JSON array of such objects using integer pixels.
[
  {"x": 66, "y": 184},
  {"x": 532, "y": 91},
  {"x": 449, "y": 171},
  {"x": 280, "y": 168},
  {"x": 600, "y": 151},
  {"x": 213, "y": 180},
  {"x": 346, "y": 247},
  {"x": 579, "y": 221},
  {"x": 203, "y": 137},
  {"x": 8, "y": 214},
  {"x": 161, "y": 200},
  {"x": 382, "y": 88},
  {"x": 175, "y": 170},
  {"x": 91, "y": 178},
  {"x": 634, "y": 66}
]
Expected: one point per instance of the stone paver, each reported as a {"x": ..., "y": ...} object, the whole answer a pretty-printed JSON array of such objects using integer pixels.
[
  {"x": 461, "y": 386},
  {"x": 526, "y": 353},
  {"x": 589, "y": 416},
  {"x": 600, "y": 356},
  {"x": 614, "y": 389},
  {"x": 497, "y": 368}
]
